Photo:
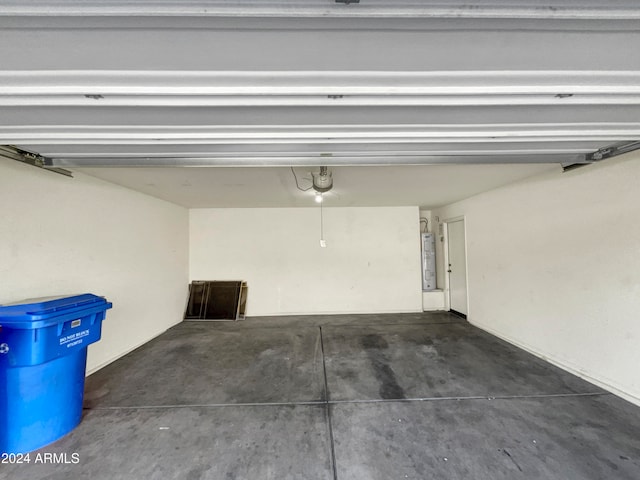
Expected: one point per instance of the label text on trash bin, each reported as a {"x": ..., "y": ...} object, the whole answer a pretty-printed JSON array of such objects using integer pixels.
[{"x": 73, "y": 339}]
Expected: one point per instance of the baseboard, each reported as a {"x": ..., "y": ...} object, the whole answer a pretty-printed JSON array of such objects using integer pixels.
[
  {"x": 357, "y": 312},
  {"x": 126, "y": 352},
  {"x": 564, "y": 365}
]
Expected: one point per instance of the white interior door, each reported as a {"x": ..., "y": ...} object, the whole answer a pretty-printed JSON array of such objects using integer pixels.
[{"x": 457, "y": 268}]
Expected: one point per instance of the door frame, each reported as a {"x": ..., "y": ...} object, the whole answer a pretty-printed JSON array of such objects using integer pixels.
[{"x": 445, "y": 234}]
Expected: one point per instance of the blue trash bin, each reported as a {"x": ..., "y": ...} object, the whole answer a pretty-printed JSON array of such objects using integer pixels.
[{"x": 43, "y": 357}]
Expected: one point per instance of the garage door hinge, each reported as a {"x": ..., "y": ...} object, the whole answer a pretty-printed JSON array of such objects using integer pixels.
[
  {"x": 613, "y": 151},
  {"x": 604, "y": 153},
  {"x": 30, "y": 158}
]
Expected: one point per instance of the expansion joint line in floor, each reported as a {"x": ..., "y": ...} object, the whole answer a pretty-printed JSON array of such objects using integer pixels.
[
  {"x": 328, "y": 408},
  {"x": 474, "y": 397},
  {"x": 352, "y": 402}
]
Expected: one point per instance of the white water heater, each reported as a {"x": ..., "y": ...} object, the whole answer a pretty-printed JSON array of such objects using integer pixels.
[{"x": 428, "y": 262}]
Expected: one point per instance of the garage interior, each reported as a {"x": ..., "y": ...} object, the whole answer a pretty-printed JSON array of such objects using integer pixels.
[{"x": 303, "y": 147}]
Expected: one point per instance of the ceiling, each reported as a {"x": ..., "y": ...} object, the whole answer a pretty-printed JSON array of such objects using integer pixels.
[
  {"x": 445, "y": 98},
  {"x": 427, "y": 186}
]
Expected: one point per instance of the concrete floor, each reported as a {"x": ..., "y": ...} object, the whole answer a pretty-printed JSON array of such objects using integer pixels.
[{"x": 413, "y": 396}]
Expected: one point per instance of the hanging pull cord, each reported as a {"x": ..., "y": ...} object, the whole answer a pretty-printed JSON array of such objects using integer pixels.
[{"x": 321, "y": 222}]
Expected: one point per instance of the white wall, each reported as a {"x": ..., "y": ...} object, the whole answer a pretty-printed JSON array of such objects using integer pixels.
[
  {"x": 371, "y": 263},
  {"x": 63, "y": 236},
  {"x": 554, "y": 266}
]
